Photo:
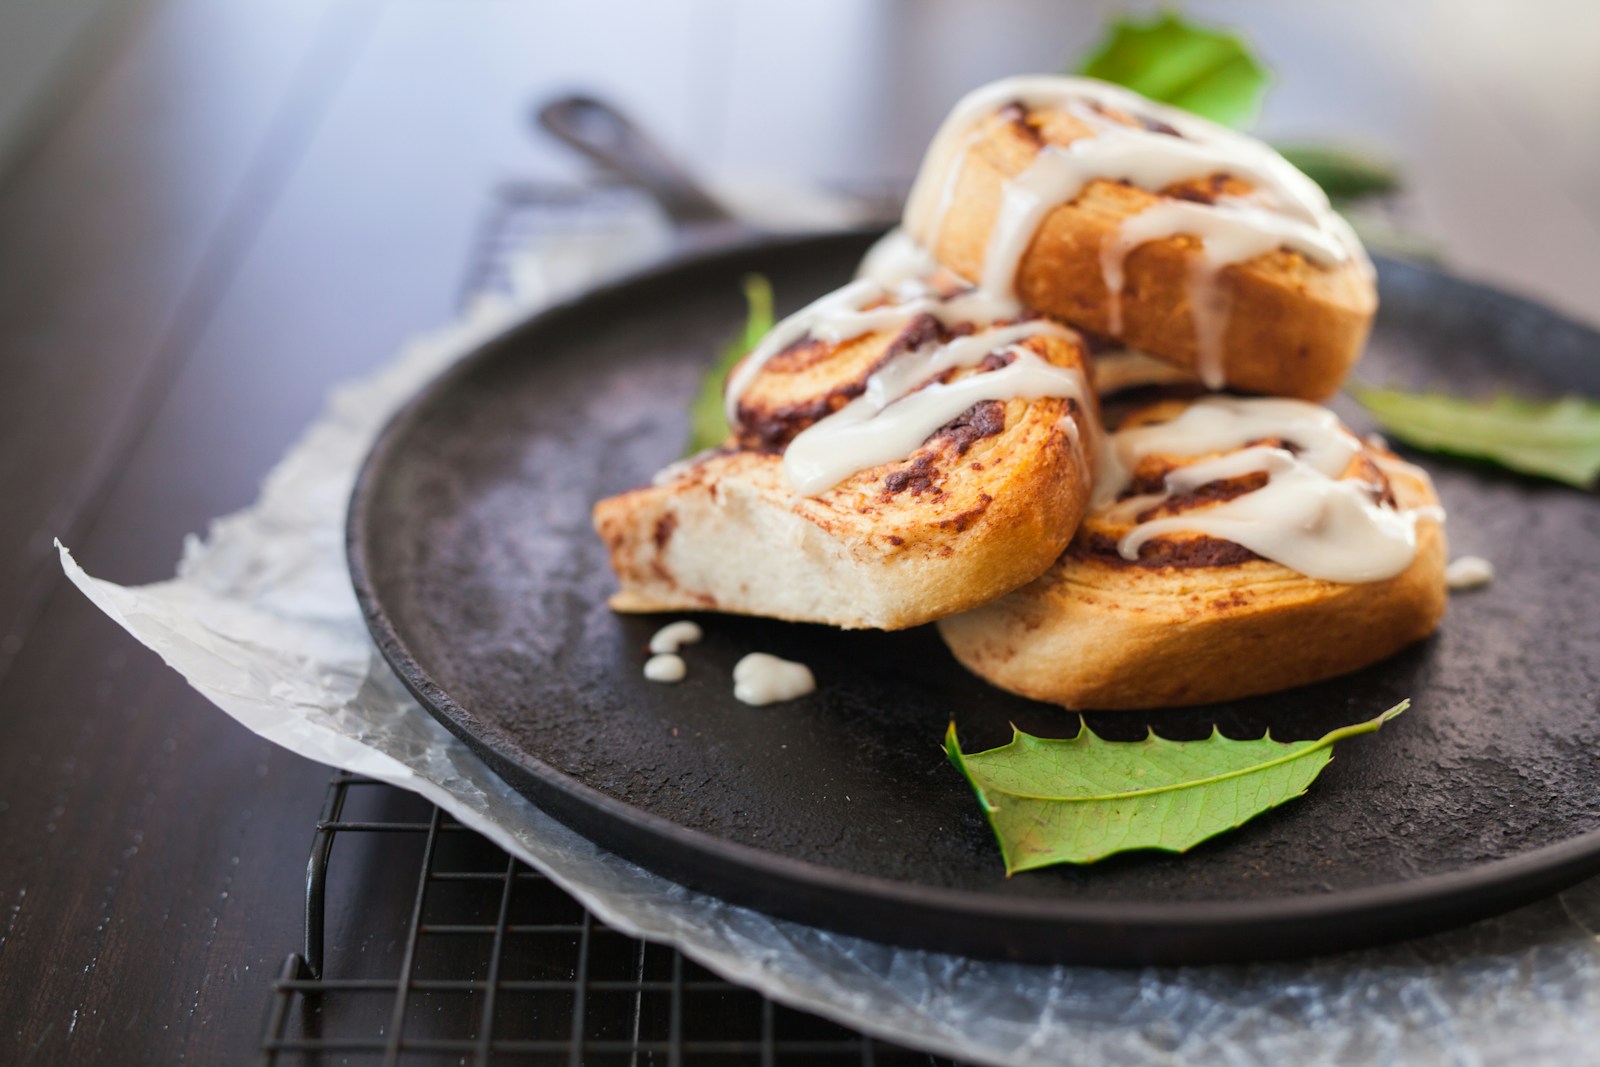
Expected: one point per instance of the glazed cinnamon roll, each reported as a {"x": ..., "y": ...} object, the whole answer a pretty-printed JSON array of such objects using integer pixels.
[
  {"x": 903, "y": 449},
  {"x": 1235, "y": 547},
  {"x": 1125, "y": 218}
]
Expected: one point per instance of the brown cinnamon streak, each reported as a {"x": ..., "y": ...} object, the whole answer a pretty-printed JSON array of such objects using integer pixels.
[{"x": 1182, "y": 554}]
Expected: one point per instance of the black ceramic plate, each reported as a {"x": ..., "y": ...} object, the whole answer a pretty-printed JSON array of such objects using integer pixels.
[{"x": 472, "y": 554}]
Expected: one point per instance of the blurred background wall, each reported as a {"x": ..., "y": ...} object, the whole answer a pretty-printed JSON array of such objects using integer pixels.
[
  {"x": 43, "y": 45},
  {"x": 1491, "y": 107}
]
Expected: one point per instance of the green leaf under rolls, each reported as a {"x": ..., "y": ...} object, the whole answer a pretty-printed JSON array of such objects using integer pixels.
[
  {"x": 1345, "y": 174},
  {"x": 708, "y": 425},
  {"x": 1081, "y": 799},
  {"x": 1557, "y": 439}
]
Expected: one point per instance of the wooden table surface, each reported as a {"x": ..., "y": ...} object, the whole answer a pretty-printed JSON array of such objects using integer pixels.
[{"x": 234, "y": 206}]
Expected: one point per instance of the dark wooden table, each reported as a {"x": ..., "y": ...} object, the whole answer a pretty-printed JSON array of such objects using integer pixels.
[{"x": 230, "y": 208}]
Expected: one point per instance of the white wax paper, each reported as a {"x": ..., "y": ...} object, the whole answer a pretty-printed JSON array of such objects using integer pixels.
[{"x": 261, "y": 619}]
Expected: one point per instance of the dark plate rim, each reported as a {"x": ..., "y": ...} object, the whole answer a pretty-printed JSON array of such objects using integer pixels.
[{"x": 1504, "y": 882}]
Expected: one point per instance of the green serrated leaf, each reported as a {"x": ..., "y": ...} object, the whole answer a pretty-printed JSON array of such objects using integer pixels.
[
  {"x": 1199, "y": 69},
  {"x": 708, "y": 425},
  {"x": 1557, "y": 439},
  {"x": 1344, "y": 174},
  {"x": 1081, "y": 799}
]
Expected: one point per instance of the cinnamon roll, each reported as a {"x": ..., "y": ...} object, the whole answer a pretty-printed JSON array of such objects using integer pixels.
[
  {"x": 1235, "y": 547},
  {"x": 902, "y": 449},
  {"x": 1125, "y": 218}
]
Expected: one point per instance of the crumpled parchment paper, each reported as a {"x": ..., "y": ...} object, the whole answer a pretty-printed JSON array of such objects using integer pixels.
[{"x": 261, "y": 619}]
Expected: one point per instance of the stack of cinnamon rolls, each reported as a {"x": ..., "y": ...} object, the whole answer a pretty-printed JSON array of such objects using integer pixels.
[{"x": 1069, "y": 411}]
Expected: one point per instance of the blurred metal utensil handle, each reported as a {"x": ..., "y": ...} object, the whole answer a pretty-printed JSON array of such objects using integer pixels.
[{"x": 604, "y": 134}]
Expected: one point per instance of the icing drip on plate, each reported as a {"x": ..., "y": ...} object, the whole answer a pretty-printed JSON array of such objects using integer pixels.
[
  {"x": 673, "y": 636},
  {"x": 1468, "y": 572},
  {"x": 1306, "y": 517},
  {"x": 665, "y": 667},
  {"x": 761, "y": 678}
]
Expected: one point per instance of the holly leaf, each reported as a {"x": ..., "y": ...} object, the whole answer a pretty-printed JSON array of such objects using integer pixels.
[
  {"x": 708, "y": 424},
  {"x": 1557, "y": 439},
  {"x": 1170, "y": 59},
  {"x": 1081, "y": 799}
]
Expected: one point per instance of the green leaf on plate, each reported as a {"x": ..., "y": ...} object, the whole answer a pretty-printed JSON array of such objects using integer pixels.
[
  {"x": 1199, "y": 69},
  {"x": 1081, "y": 799},
  {"x": 1344, "y": 174},
  {"x": 1381, "y": 234},
  {"x": 708, "y": 425},
  {"x": 1557, "y": 439}
]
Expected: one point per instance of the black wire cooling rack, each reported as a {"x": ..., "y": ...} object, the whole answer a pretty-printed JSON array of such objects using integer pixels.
[
  {"x": 433, "y": 946},
  {"x": 444, "y": 949}
]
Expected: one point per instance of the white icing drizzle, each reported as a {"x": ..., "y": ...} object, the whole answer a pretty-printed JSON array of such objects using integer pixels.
[
  {"x": 931, "y": 193},
  {"x": 1229, "y": 232},
  {"x": 1052, "y": 179},
  {"x": 1151, "y": 161},
  {"x": 760, "y": 678},
  {"x": 665, "y": 667},
  {"x": 893, "y": 417},
  {"x": 1321, "y": 527},
  {"x": 905, "y": 372},
  {"x": 674, "y": 635},
  {"x": 1147, "y": 158},
  {"x": 896, "y": 261},
  {"x": 1286, "y": 207},
  {"x": 898, "y": 410},
  {"x": 844, "y": 315},
  {"x": 1306, "y": 517},
  {"x": 930, "y": 221},
  {"x": 1221, "y": 424},
  {"x": 1468, "y": 572},
  {"x": 836, "y": 317},
  {"x": 1113, "y": 256}
]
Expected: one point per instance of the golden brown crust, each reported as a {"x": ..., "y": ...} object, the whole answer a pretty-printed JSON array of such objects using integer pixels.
[
  {"x": 1294, "y": 328},
  {"x": 1195, "y": 619},
  {"x": 981, "y": 508}
]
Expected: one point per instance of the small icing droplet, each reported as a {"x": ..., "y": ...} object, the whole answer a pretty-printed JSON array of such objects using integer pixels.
[
  {"x": 760, "y": 679},
  {"x": 673, "y": 636},
  {"x": 1469, "y": 572},
  {"x": 665, "y": 667}
]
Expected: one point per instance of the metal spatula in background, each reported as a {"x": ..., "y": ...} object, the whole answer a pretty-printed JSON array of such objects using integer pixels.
[{"x": 602, "y": 133}]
